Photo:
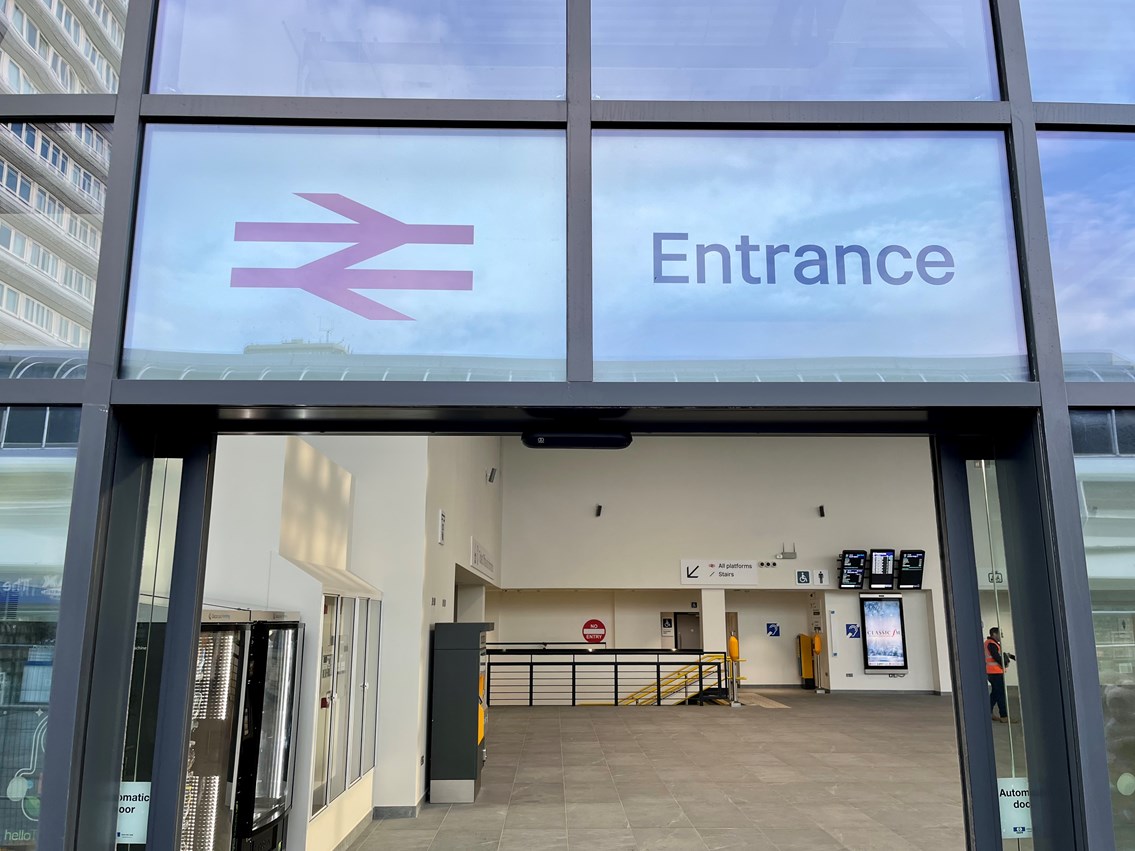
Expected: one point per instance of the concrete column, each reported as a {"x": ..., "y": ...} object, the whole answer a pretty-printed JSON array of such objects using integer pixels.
[{"x": 713, "y": 620}]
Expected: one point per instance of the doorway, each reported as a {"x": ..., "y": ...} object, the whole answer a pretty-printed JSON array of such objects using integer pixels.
[{"x": 687, "y": 631}]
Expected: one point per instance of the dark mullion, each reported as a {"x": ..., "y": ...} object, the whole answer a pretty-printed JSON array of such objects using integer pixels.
[
  {"x": 1086, "y": 116},
  {"x": 1086, "y": 820},
  {"x": 580, "y": 342},
  {"x": 311, "y": 110},
  {"x": 44, "y": 108},
  {"x": 921, "y": 114},
  {"x": 440, "y": 394},
  {"x": 1092, "y": 395}
]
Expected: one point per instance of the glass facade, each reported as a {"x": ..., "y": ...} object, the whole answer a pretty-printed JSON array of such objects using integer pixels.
[
  {"x": 36, "y": 477},
  {"x": 54, "y": 192},
  {"x": 1080, "y": 52},
  {"x": 768, "y": 50},
  {"x": 605, "y": 161},
  {"x": 456, "y": 271},
  {"x": 727, "y": 256},
  {"x": 1091, "y": 216},
  {"x": 378, "y": 48},
  {"x": 1105, "y": 474}
]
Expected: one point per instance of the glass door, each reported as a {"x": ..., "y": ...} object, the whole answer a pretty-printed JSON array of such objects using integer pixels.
[{"x": 273, "y": 766}]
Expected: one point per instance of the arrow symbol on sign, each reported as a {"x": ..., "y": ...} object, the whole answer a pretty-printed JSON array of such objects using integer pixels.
[
  {"x": 692, "y": 572},
  {"x": 331, "y": 278}
]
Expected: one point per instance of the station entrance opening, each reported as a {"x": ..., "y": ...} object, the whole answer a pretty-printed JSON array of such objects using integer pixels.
[{"x": 570, "y": 612}]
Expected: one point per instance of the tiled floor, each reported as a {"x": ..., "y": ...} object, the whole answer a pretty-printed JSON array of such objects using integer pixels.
[{"x": 830, "y": 772}]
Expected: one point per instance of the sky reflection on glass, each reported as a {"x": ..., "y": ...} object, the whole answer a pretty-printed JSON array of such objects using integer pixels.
[
  {"x": 1081, "y": 51},
  {"x": 803, "y": 190},
  {"x": 500, "y": 49},
  {"x": 793, "y": 50},
  {"x": 187, "y": 312},
  {"x": 1091, "y": 231}
]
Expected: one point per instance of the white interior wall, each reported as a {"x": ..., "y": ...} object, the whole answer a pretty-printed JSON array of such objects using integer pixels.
[
  {"x": 671, "y": 498},
  {"x": 769, "y": 660}
]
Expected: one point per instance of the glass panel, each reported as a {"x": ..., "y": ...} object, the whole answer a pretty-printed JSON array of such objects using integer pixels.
[
  {"x": 1092, "y": 433},
  {"x": 149, "y": 643},
  {"x": 380, "y": 48},
  {"x": 35, "y": 504},
  {"x": 358, "y": 694},
  {"x": 796, "y": 256},
  {"x": 1107, "y": 486},
  {"x": 61, "y": 46},
  {"x": 370, "y": 704},
  {"x": 272, "y": 774},
  {"x": 793, "y": 50},
  {"x": 1091, "y": 215},
  {"x": 999, "y": 649},
  {"x": 341, "y": 703},
  {"x": 1125, "y": 431},
  {"x": 322, "y": 728},
  {"x": 473, "y": 287},
  {"x": 1080, "y": 51},
  {"x": 207, "y": 816},
  {"x": 53, "y": 189}
]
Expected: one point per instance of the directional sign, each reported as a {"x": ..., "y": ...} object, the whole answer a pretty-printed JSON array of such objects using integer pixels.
[
  {"x": 715, "y": 572},
  {"x": 772, "y": 630},
  {"x": 852, "y": 630},
  {"x": 333, "y": 278}
]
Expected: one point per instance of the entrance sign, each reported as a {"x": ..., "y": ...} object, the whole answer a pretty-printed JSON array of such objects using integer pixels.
[
  {"x": 133, "y": 813},
  {"x": 594, "y": 631},
  {"x": 394, "y": 254},
  {"x": 715, "y": 573},
  {"x": 798, "y": 255},
  {"x": 1015, "y": 806}
]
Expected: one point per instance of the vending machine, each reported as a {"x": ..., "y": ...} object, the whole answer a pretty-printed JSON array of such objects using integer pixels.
[{"x": 241, "y": 742}]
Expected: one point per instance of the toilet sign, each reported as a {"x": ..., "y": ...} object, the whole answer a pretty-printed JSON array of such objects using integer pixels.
[
  {"x": 133, "y": 813},
  {"x": 594, "y": 631},
  {"x": 1015, "y": 806}
]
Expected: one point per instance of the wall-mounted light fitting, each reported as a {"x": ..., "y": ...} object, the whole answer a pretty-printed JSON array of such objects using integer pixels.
[
  {"x": 822, "y": 512},
  {"x": 598, "y": 510},
  {"x": 491, "y": 475}
]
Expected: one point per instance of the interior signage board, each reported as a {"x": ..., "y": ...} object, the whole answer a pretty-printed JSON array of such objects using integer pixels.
[
  {"x": 716, "y": 572},
  {"x": 480, "y": 561},
  {"x": 390, "y": 253},
  {"x": 795, "y": 255}
]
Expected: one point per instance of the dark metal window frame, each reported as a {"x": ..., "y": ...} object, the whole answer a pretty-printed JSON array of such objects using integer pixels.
[{"x": 112, "y": 452}]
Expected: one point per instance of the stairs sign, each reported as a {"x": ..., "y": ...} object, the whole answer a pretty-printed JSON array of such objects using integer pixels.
[{"x": 713, "y": 573}]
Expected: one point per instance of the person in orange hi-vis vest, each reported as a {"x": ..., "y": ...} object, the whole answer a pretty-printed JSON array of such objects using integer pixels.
[{"x": 996, "y": 661}]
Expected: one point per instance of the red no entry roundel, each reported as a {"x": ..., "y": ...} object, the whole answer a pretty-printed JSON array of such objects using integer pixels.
[{"x": 594, "y": 631}]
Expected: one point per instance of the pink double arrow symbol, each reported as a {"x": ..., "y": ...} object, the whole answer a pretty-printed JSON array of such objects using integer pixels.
[{"x": 331, "y": 278}]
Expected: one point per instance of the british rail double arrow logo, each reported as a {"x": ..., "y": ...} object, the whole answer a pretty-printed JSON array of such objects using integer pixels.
[{"x": 331, "y": 278}]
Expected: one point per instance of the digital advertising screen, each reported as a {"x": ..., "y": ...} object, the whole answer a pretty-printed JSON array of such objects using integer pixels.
[
  {"x": 884, "y": 640},
  {"x": 882, "y": 569},
  {"x": 911, "y": 563},
  {"x": 852, "y": 565}
]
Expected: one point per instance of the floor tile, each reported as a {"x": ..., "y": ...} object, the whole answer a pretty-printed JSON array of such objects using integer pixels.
[
  {"x": 668, "y": 839},
  {"x": 534, "y": 840},
  {"x": 596, "y": 815},
  {"x": 591, "y": 839}
]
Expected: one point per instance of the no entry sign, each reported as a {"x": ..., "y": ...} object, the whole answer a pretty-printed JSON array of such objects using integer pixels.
[{"x": 594, "y": 631}]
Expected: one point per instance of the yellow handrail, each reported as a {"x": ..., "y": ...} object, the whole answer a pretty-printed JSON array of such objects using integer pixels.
[{"x": 673, "y": 682}]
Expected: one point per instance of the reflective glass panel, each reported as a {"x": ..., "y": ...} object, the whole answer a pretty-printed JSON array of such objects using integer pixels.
[
  {"x": 35, "y": 504},
  {"x": 341, "y": 704},
  {"x": 802, "y": 256},
  {"x": 396, "y": 255},
  {"x": 1107, "y": 506},
  {"x": 1081, "y": 51},
  {"x": 53, "y": 190},
  {"x": 498, "y": 49},
  {"x": 61, "y": 46},
  {"x": 793, "y": 50},
  {"x": 1091, "y": 216}
]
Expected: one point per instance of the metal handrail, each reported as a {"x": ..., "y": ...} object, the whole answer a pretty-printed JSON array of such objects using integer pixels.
[{"x": 544, "y": 676}]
